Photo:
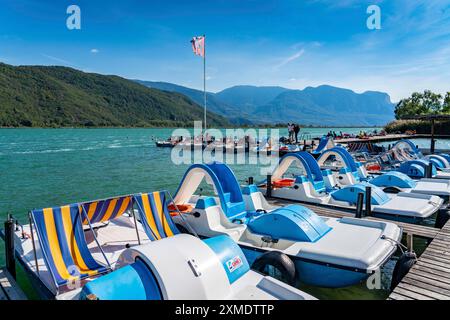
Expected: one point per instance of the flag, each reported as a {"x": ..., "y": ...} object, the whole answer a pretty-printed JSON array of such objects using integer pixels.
[{"x": 198, "y": 45}]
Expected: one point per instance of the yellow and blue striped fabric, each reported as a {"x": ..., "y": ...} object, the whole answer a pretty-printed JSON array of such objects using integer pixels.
[
  {"x": 154, "y": 215},
  {"x": 105, "y": 210},
  {"x": 62, "y": 241}
]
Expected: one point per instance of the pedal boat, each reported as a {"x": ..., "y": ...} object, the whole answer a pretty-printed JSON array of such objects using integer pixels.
[
  {"x": 347, "y": 171},
  {"x": 128, "y": 248},
  {"x": 318, "y": 187},
  {"x": 325, "y": 252}
]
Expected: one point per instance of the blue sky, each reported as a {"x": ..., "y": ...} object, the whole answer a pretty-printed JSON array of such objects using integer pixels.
[{"x": 290, "y": 43}]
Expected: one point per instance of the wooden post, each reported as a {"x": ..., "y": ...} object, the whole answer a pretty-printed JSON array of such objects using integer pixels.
[
  {"x": 359, "y": 205},
  {"x": 429, "y": 171},
  {"x": 269, "y": 186},
  {"x": 410, "y": 242},
  {"x": 9, "y": 247},
  {"x": 432, "y": 147},
  {"x": 368, "y": 201}
]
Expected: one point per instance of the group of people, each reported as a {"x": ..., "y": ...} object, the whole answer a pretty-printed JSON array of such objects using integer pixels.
[
  {"x": 334, "y": 135},
  {"x": 293, "y": 130}
]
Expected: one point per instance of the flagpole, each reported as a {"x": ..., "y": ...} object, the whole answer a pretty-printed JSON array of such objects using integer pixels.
[{"x": 204, "y": 80}]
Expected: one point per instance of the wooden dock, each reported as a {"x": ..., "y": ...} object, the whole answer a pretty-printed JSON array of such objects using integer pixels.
[
  {"x": 337, "y": 212},
  {"x": 429, "y": 278},
  {"x": 9, "y": 289},
  {"x": 391, "y": 137}
]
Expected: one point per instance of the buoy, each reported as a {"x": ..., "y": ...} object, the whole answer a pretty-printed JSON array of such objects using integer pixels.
[
  {"x": 279, "y": 261},
  {"x": 442, "y": 217},
  {"x": 404, "y": 263}
]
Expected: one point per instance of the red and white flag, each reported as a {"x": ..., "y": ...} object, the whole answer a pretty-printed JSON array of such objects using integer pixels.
[{"x": 198, "y": 45}]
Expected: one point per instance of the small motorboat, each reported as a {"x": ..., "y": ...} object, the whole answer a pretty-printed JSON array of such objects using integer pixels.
[
  {"x": 128, "y": 248},
  {"x": 169, "y": 143},
  {"x": 316, "y": 186},
  {"x": 318, "y": 251},
  {"x": 349, "y": 172}
]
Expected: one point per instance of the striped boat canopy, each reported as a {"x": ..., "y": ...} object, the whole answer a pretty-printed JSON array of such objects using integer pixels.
[
  {"x": 154, "y": 215},
  {"x": 64, "y": 247},
  {"x": 105, "y": 210}
]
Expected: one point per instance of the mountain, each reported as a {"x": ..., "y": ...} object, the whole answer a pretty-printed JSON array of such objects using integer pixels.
[
  {"x": 249, "y": 97},
  {"x": 59, "y": 97},
  {"x": 328, "y": 105},
  {"x": 323, "y": 105},
  {"x": 233, "y": 113}
]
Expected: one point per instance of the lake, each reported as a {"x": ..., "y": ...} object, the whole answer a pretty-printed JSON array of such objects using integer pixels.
[{"x": 49, "y": 167}]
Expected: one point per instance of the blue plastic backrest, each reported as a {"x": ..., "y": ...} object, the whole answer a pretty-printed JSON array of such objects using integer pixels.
[
  {"x": 293, "y": 222},
  {"x": 350, "y": 193},
  {"x": 301, "y": 179},
  {"x": 247, "y": 190},
  {"x": 437, "y": 162},
  {"x": 393, "y": 179},
  {"x": 445, "y": 156},
  {"x": 132, "y": 282},
  {"x": 230, "y": 255},
  {"x": 204, "y": 203},
  {"x": 416, "y": 168},
  {"x": 227, "y": 197},
  {"x": 344, "y": 170},
  {"x": 326, "y": 172}
]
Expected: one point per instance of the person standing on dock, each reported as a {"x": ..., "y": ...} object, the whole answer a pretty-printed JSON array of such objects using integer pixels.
[
  {"x": 290, "y": 128},
  {"x": 296, "y": 131}
]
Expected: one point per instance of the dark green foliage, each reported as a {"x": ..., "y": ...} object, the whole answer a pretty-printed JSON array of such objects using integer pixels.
[
  {"x": 424, "y": 127},
  {"x": 39, "y": 96},
  {"x": 422, "y": 104}
]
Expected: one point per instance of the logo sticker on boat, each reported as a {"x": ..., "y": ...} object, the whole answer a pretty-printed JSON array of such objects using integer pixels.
[{"x": 234, "y": 263}]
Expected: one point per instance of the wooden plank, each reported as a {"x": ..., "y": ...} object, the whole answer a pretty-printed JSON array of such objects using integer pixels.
[
  {"x": 436, "y": 263},
  {"x": 410, "y": 295},
  {"x": 435, "y": 257},
  {"x": 420, "y": 273},
  {"x": 440, "y": 286},
  {"x": 407, "y": 285},
  {"x": 432, "y": 266},
  {"x": 431, "y": 271},
  {"x": 398, "y": 296},
  {"x": 10, "y": 286},
  {"x": 430, "y": 276}
]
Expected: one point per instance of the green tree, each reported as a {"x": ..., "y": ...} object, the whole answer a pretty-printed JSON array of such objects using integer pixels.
[
  {"x": 422, "y": 104},
  {"x": 446, "y": 106}
]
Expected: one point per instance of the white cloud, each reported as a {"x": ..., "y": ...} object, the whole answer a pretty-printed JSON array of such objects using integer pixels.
[
  {"x": 56, "y": 59},
  {"x": 289, "y": 59},
  {"x": 94, "y": 51}
]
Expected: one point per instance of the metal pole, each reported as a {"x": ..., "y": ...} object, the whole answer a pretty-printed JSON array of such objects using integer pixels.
[
  {"x": 359, "y": 205},
  {"x": 204, "y": 78},
  {"x": 269, "y": 186},
  {"x": 32, "y": 241},
  {"x": 432, "y": 137},
  {"x": 368, "y": 201},
  {"x": 135, "y": 220},
  {"x": 9, "y": 247}
]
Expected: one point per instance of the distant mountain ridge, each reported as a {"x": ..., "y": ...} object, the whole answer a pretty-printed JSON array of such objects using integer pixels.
[
  {"x": 43, "y": 96},
  {"x": 322, "y": 105}
]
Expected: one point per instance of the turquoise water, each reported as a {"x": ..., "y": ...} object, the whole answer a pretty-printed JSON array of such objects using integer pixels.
[
  {"x": 49, "y": 167},
  {"x": 443, "y": 144}
]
